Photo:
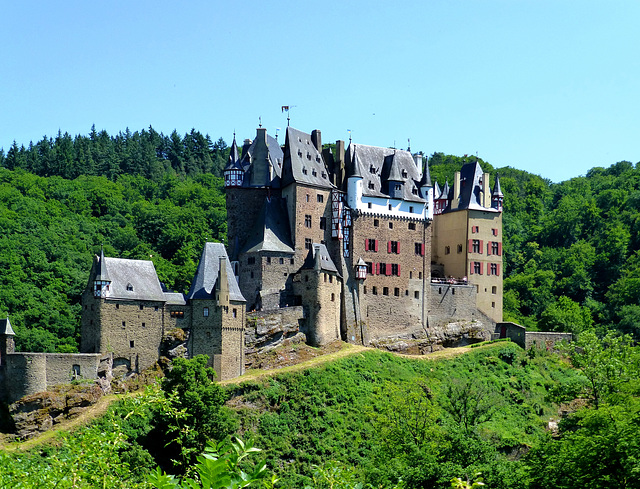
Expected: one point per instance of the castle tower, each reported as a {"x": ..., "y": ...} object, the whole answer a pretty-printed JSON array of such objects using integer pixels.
[
  {"x": 233, "y": 172},
  {"x": 426, "y": 189},
  {"x": 497, "y": 197},
  {"x": 7, "y": 343}
]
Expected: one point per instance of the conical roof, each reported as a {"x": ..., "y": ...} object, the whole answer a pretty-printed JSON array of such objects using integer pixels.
[
  {"x": 436, "y": 191},
  {"x": 233, "y": 163},
  {"x": 5, "y": 327},
  {"x": 102, "y": 275},
  {"x": 496, "y": 188},
  {"x": 425, "y": 181}
]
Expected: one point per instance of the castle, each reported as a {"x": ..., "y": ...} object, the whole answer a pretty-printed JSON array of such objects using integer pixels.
[{"x": 358, "y": 240}]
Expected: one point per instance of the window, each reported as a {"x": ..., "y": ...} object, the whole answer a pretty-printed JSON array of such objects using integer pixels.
[
  {"x": 313, "y": 172},
  {"x": 369, "y": 205},
  {"x": 404, "y": 174},
  {"x": 205, "y": 312},
  {"x": 396, "y": 292},
  {"x": 369, "y": 268},
  {"x": 144, "y": 325},
  {"x": 477, "y": 267},
  {"x": 320, "y": 198},
  {"x": 376, "y": 223},
  {"x": 307, "y": 197},
  {"x": 393, "y": 247},
  {"x": 268, "y": 259},
  {"x": 251, "y": 260},
  {"x": 76, "y": 371},
  {"x": 390, "y": 207},
  {"x": 447, "y": 250},
  {"x": 374, "y": 290},
  {"x": 330, "y": 279},
  {"x": 176, "y": 314},
  {"x": 124, "y": 324},
  {"x": 156, "y": 308},
  {"x": 493, "y": 304},
  {"x": 235, "y": 313},
  {"x": 323, "y": 223},
  {"x": 304, "y": 170},
  {"x": 131, "y": 344},
  {"x": 371, "y": 185},
  {"x": 416, "y": 295},
  {"x": 307, "y": 221},
  {"x": 291, "y": 261},
  {"x": 410, "y": 274},
  {"x": 141, "y": 307},
  {"x": 372, "y": 169},
  {"x": 495, "y": 248},
  {"x": 281, "y": 261},
  {"x": 390, "y": 225},
  {"x": 385, "y": 290},
  {"x": 371, "y": 244},
  {"x": 459, "y": 248},
  {"x": 419, "y": 249},
  {"x": 414, "y": 191},
  {"x": 494, "y": 231},
  {"x": 412, "y": 226},
  {"x": 395, "y": 269},
  {"x": 397, "y": 187},
  {"x": 129, "y": 287},
  {"x": 475, "y": 245},
  {"x": 324, "y": 275},
  {"x": 382, "y": 268},
  {"x": 333, "y": 297},
  {"x": 252, "y": 274},
  {"x": 364, "y": 289},
  {"x": 307, "y": 243},
  {"x": 420, "y": 275},
  {"x": 475, "y": 229},
  {"x": 494, "y": 269},
  {"x": 410, "y": 208},
  {"x": 494, "y": 289}
]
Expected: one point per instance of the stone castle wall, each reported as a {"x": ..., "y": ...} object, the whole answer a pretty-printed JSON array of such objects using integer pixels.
[
  {"x": 545, "y": 340},
  {"x": 450, "y": 302}
]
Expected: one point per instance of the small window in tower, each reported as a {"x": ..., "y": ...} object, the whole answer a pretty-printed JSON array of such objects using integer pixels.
[
  {"x": 390, "y": 225},
  {"x": 404, "y": 173},
  {"x": 130, "y": 287},
  {"x": 414, "y": 191},
  {"x": 117, "y": 306},
  {"x": 304, "y": 170},
  {"x": 251, "y": 260},
  {"x": 371, "y": 186},
  {"x": 459, "y": 248},
  {"x": 447, "y": 250},
  {"x": 494, "y": 231},
  {"x": 156, "y": 308},
  {"x": 324, "y": 175},
  {"x": 235, "y": 313},
  {"x": 376, "y": 223},
  {"x": 76, "y": 371},
  {"x": 420, "y": 275},
  {"x": 493, "y": 304},
  {"x": 372, "y": 169},
  {"x": 131, "y": 343},
  {"x": 314, "y": 173},
  {"x": 144, "y": 325},
  {"x": 268, "y": 260},
  {"x": 398, "y": 187},
  {"x": 412, "y": 226},
  {"x": 141, "y": 307},
  {"x": 494, "y": 289},
  {"x": 385, "y": 290},
  {"x": 330, "y": 279},
  {"x": 252, "y": 274},
  {"x": 306, "y": 197},
  {"x": 307, "y": 243},
  {"x": 369, "y": 205},
  {"x": 205, "y": 312},
  {"x": 281, "y": 261},
  {"x": 92, "y": 307},
  {"x": 416, "y": 295},
  {"x": 291, "y": 261},
  {"x": 124, "y": 324},
  {"x": 320, "y": 198},
  {"x": 396, "y": 292},
  {"x": 323, "y": 223},
  {"x": 364, "y": 289},
  {"x": 333, "y": 297},
  {"x": 390, "y": 207},
  {"x": 411, "y": 208},
  {"x": 374, "y": 290}
]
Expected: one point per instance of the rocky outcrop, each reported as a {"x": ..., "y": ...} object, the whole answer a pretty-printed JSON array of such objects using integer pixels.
[
  {"x": 269, "y": 329},
  {"x": 453, "y": 334},
  {"x": 39, "y": 412}
]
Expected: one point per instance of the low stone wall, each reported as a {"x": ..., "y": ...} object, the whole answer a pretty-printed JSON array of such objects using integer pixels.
[
  {"x": 268, "y": 329},
  {"x": 27, "y": 373},
  {"x": 545, "y": 340}
]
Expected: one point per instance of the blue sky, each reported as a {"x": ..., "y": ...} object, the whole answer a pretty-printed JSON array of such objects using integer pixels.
[{"x": 550, "y": 87}]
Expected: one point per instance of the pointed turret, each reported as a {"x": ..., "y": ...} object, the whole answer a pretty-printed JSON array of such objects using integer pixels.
[
  {"x": 233, "y": 172},
  {"x": 497, "y": 197},
  {"x": 7, "y": 344},
  {"x": 354, "y": 181},
  {"x": 395, "y": 179},
  {"x": 426, "y": 188},
  {"x": 102, "y": 281}
]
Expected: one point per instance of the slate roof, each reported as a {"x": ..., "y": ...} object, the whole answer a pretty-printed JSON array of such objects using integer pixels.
[
  {"x": 275, "y": 155},
  {"x": 436, "y": 191},
  {"x": 139, "y": 275},
  {"x": 303, "y": 163},
  {"x": 206, "y": 275},
  {"x": 103, "y": 274},
  {"x": 426, "y": 176},
  {"x": 319, "y": 259},
  {"x": 233, "y": 163},
  {"x": 379, "y": 165},
  {"x": 271, "y": 229},
  {"x": 5, "y": 327},
  {"x": 496, "y": 188}
]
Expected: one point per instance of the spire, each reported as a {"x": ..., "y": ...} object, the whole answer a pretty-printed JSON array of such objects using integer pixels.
[
  {"x": 103, "y": 275},
  {"x": 394, "y": 172},
  {"x": 355, "y": 166},
  {"x": 496, "y": 188},
  {"x": 5, "y": 327},
  {"x": 234, "y": 158},
  {"x": 445, "y": 190},
  {"x": 426, "y": 176},
  {"x": 436, "y": 191}
]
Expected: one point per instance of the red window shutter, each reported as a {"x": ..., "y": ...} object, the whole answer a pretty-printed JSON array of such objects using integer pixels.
[
  {"x": 389, "y": 270},
  {"x": 471, "y": 266},
  {"x": 481, "y": 245},
  {"x": 470, "y": 246},
  {"x": 489, "y": 248},
  {"x": 498, "y": 269},
  {"x": 388, "y": 246},
  {"x": 481, "y": 268},
  {"x": 398, "y": 246},
  {"x": 376, "y": 245},
  {"x": 499, "y": 249},
  {"x": 422, "y": 249},
  {"x": 366, "y": 245},
  {"x": 398, "y": 269},
  {"x": 375, "y": 268}
]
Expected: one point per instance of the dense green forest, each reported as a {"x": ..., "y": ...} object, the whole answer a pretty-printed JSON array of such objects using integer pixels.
[{"x": 371, "y": 420}]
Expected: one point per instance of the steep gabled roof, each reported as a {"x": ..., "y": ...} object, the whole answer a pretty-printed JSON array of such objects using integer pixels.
[
  {"x": 425, "y": 181},
  {"x": 103, "y": 274},
  {"x": 204, "y": 281},
  {"x": 270, "y": 231},
  {"x": 5, "y": 327},
  {"x": 131, "y": 279},
  {"x": 379, "y": 165},
  {"x": 303, "y": 163},
  {"x": 318, "y": 259},
  {"x": 436, "y": 191},
  {"x": 496, "y": 188},
  {"x": 266, "y": 147},
  {"x": 233, "y": 163}
]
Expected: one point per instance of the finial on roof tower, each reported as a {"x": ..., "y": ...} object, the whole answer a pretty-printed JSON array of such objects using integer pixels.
[
  {"x": 409, "y": 145},
  {"x": 260, "y": 121}
]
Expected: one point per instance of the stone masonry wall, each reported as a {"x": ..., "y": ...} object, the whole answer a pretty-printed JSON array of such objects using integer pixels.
[
  {"x": 232, "y": 334},
  {"x": 243, "y": 204},
  {"x": 320, "y": 292},
  {"x": 545, "y": 340},
  {"x": 448, "y": 302},
  {"x": 393, "y": 305}
]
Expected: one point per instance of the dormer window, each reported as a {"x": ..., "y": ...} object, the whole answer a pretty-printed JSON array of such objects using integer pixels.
[
  {"x": 372, "y": 169},
  {"x": 398, "y": 187},
  {"x": 318, "y": 158},
  {"x": 129, "y": 287},
  {"x": 404, "y": 173},
  {"x": 304, "y": 170},
  {"x": 314, "y": 173},
  {"x": 300, "y": 152},
  {"x": 371, "y": 185},
  {"x": 414, "y": 191},
  {"x": 309, "y": 156},
  {"x": 324, "y": 175}
]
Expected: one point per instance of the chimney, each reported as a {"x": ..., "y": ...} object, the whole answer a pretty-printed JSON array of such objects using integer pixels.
[
  {"x": 456, "y": 191},
  {"x": 316, "y": 139},
  {"x": 339, "y": 168},
  {"x": 261, "y": 134},
  {"x": 418, "y": 160},
  {"x": 486, "y": 191},
  {"x": 223, "y": 283}
]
